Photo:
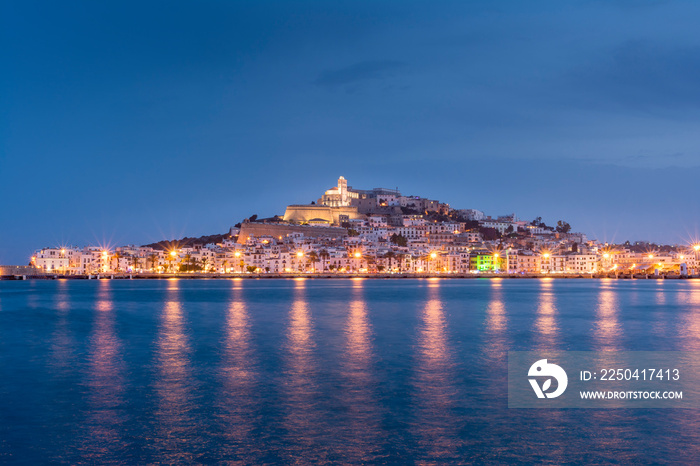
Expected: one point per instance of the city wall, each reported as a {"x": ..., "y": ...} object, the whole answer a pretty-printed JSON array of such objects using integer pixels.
[
  {"x": 7, "y": 270},
  {"x": 276, "y": 230}
]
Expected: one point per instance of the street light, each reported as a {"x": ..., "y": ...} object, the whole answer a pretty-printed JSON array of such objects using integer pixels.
[
  {"x": 433, "y": 255},
  {"x": 300, "y": 254},
  {"x": 358, "y": 255}
]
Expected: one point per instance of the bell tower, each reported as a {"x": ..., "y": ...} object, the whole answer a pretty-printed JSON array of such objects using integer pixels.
[{"x": 343, "y": 191}]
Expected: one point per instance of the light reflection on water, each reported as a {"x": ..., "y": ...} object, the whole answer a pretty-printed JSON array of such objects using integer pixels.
[
  {"x": 436, "y": 427},
  {"x": 546, "y": 323},
  {"x": 344, "y": 371},
  {"x": 239, "y": 372},
  {"x": 607, "y": 331},
  {"x": 174, "y": 420},
  {"x": 301, "y": 391},
  {"x": 104, "y": 439},
  {"x": 361, "y": 435},
  {"x": 497, "y": 341}
]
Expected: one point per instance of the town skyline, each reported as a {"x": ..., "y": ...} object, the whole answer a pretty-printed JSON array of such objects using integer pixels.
[
  {"x": 144, "y": 123},
  {"x": 351, "y": 230},
  {"x": 111, "y": 243}
]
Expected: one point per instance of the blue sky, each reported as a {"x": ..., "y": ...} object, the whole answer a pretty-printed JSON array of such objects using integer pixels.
[{"x": 130, "y": 122}]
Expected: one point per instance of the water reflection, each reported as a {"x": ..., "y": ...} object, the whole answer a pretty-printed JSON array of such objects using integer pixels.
[
  {"x": 174, "y": 416},
  {"x": 546, "y": 324},
  {"x": 690, "y": 323},
  {"x": 496, "y": 344},
  {"x": 105, "y": 380},
  {"x": 437, "y": 429},
  {"x": 660, "y": 292},
  {"x": 240, "y": 376},
  {"x": 302, "y": 421},
  {"x": 607, "y": 331},
  {"x": 362, "y": 435},
  {"x": 62, "y": 342}
]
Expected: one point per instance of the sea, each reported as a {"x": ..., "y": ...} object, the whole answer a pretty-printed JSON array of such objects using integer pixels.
[{"x": 326, "y": 371}]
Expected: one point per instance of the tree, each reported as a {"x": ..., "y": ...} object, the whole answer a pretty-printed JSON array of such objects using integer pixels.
[
  {"x": 312, "y": 258},
  {"x": 324, "y": 257},
  {"x": 563, "y": 227},
  {"x": 135, "y": 262},
  {"x": 353, "y": 232},
  {"x": 116, "y": 258},
  {"x": 398, "y": 240},
  {"x": 153, "y": 258},
  {"x": 489, "y": 234},
  {"x": 251, "y": 268}
]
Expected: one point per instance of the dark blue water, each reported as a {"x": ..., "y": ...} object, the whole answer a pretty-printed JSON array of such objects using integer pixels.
[{"x": 317, "y": 371}]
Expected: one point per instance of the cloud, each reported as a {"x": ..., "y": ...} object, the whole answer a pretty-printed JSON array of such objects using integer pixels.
[{"x": 362, "y": 71}]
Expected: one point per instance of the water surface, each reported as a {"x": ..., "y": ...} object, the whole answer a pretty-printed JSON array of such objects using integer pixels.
[{"x": 317, "y": 371}]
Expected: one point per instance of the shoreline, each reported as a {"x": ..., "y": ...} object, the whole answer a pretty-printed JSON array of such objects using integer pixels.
[{"x": 327, "y": 276}]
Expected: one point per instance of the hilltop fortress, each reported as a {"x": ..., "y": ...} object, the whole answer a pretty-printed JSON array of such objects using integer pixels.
[
  {"x": 342, "y": 203},
  {"x": 338, "y": 207}
]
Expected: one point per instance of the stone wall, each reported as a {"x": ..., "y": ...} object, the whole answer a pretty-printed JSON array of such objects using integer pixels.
[
  {"x": 276, "y": 230},
  {"x": 20, "y": 270},
  {"x": 305, "y": 213}
]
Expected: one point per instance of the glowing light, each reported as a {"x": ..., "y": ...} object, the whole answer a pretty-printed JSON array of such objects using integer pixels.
[
  {"x": 63, "y": 251},
  {"x": 358, "y": 255},
  {"x": 697, "y": 247},
  {"x": 173, "y": 253},
  {"x": 606, "y": 255},
  {"x": 682, "y": 256},
  {"x": 104, "y": 253},
  {"x": 651, "y": 256},
  {"x": 300, "y": 254},
  {"x": 237, "y": 254},
  {"x": 546, "y": 255},
  {"x": 433, "y": 255},
  {"x": 495, "y": 255}
]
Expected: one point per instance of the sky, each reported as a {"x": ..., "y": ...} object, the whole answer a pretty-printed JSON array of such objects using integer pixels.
[{"x": 131, "y": 122}]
